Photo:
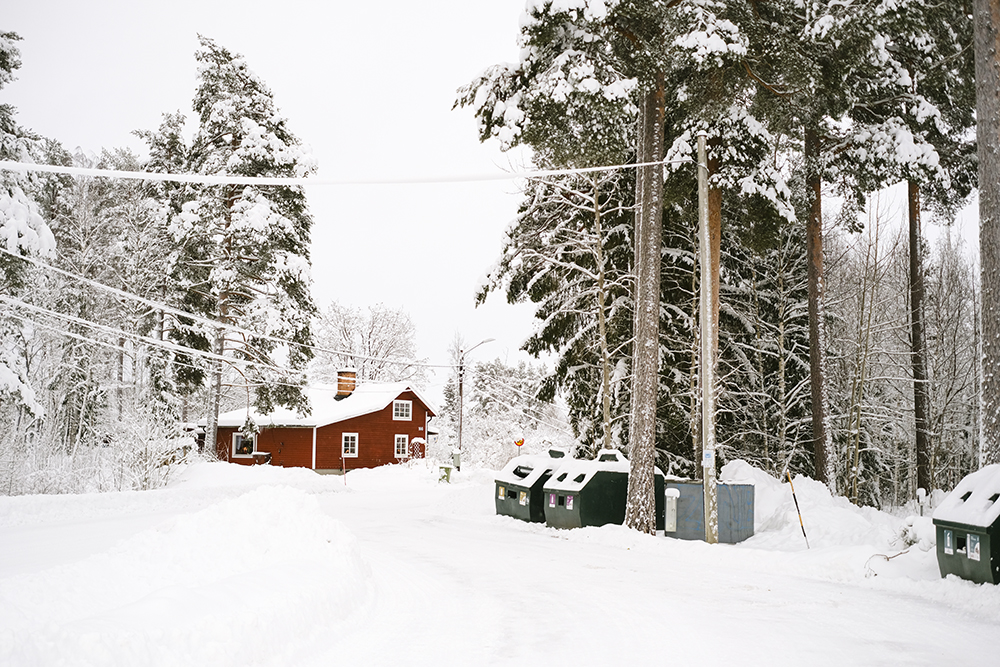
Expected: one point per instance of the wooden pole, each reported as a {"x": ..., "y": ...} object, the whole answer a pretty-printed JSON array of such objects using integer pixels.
[{"x": 709, "y": 336}]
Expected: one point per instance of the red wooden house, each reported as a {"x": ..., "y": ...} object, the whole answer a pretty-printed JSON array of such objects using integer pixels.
[{"x": 348, "y": 427}]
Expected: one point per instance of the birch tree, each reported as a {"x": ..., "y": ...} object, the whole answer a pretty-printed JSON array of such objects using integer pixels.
[{"x": 379, "y": 343}]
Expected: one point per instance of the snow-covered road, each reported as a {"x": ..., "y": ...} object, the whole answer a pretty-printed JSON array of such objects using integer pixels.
[{"x": 268, "y": 566}]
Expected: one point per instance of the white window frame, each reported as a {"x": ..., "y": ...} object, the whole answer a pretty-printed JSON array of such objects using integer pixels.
[
  {"x": 405, "y": 452},
  {"x": 344, "y": 437},
  {"x": 238, "y": 438},
  {"x": 398, "y": 407}
]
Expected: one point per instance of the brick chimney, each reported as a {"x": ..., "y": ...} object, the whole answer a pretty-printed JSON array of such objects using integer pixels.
[{"x": 346, "y": 380}]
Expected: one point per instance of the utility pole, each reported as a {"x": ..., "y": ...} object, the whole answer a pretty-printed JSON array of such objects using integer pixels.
[
  {"x": 708, "y": 337},
  {"x": 457, "y": 459}
]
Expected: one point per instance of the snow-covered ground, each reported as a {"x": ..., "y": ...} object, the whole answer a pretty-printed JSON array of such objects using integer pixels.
[{"x": 233, "y": 566}]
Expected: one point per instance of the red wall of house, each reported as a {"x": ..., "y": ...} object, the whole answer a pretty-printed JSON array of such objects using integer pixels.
[
  {"x": 376, "y": 437},
  {"x": 289, "y": 447},
  {"x": 224, "y": 446},
  {"x": 292, "y": 447}
]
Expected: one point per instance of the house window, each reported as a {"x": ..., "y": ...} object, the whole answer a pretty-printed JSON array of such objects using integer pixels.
[
  {"x": 350, "y": 444},
  {"x": 402, "y": 446},
  {"x": 401, "y": 410},
  {"x": 243, "y": 447}
]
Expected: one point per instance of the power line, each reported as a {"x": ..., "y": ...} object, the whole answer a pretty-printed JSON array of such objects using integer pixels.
[
  {"x": 210, "y": 179},
  {"x": 167, "y": 345},
  {"x": 210, "y": 322}
]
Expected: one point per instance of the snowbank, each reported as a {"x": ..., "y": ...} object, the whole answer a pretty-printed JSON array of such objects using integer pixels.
[
  {"x": 829, "y": 521},
  {"x": 211, "y": 587}
]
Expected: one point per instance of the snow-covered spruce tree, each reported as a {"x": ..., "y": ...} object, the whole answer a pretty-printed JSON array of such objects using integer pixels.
[
  {"x": 244, "y": 255},
  {"x": 168, "y": 153},
  {"x": 22, "y": 232},
  {"x": 763, "y": 404},
  {"x": 569, "y": 252},
  {"x": 379, "y": 344}
]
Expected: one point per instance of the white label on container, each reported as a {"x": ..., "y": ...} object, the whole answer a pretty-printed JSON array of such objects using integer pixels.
[
  {"x": 973, "y": 547},
  {"x": 949, "y": 543}
]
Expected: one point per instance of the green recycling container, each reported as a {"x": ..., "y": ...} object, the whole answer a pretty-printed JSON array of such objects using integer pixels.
[
  {"x": 593, "y": 493},
  {"x": 519, "y": 485},
  {"x": 967, "y": 523}
]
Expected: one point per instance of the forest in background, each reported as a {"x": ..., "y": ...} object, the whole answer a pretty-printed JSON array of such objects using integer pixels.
[
  {"x": 838, "y": 357},
  {"x": 86, "y": 408}
]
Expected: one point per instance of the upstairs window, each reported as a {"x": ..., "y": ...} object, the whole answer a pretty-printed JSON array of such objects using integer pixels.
[{"x": 401, "y": 410}]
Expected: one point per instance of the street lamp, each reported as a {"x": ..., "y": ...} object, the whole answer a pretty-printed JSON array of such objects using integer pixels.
[{"x": 461, "y": 408}]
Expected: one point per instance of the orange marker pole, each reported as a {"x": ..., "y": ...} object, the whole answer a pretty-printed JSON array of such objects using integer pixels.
[{"x": 802, "y": 525}]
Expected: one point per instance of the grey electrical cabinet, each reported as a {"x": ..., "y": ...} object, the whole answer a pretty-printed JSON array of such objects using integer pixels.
[{"x": 736, "y": 503}]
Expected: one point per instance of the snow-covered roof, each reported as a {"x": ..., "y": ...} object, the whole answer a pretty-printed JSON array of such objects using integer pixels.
[
  {"x": 525, "y": 470},
  {"x": 975, "y": 501},
  {"x": 574, "y": 474},
  {"x": 326, "y": 409}
]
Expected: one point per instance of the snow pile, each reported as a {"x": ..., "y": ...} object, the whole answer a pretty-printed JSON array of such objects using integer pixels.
[
  {"x": 214, "y": 586},
  {"x": 220, "y": 474},
  {"x": 411, "y": 476},
  {"x": 829, "y": 521},
  {"x": 195, "y": 486}
]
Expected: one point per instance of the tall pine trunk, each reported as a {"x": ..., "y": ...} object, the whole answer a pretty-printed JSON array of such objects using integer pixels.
[
  {"x": 987, "y": 44},
  {"x": 921, "y": 401},
  {"x": 640, "y": 512},
  {"x": 814, "y": 258}
]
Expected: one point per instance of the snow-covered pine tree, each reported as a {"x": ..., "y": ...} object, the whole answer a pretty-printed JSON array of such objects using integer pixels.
[
  {"x": 571, "y": 95},
  {"x": 585, "y": 61},
  {"x": 245, "y": 249},
  {"x": 928, "y": 58},
  {"x": 22, "y": 232},
  {"x": 569, "y": 252}
]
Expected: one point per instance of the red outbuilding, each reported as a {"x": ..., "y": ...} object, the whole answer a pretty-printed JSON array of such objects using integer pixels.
[{"x": 349, "y": 426}]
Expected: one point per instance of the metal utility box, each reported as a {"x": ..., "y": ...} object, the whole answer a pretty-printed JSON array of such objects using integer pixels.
[
  {"x": 736, "y": 503},
  {"x": 593, "y": 493},
  {"x": 967, "y": 523},
  {"x": 519, "y": 485}
]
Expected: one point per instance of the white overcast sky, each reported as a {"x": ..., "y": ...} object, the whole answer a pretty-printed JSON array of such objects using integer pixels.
[{"x": 368, "y": 85}]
